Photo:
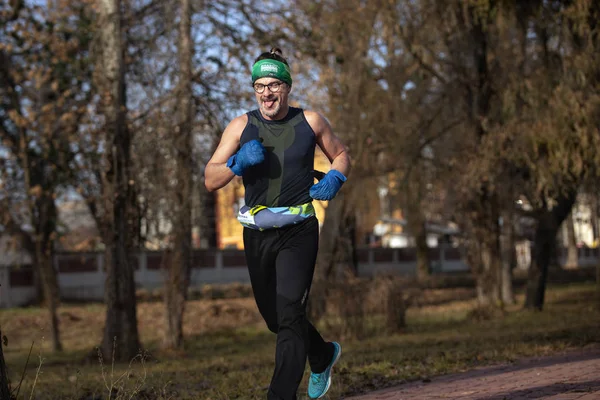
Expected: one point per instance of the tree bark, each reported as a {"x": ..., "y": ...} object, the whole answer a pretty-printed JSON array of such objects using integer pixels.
[
  {"x": 484, "y": 248},
  {"x": 487, "y": 280},
  {"x": 180, "y": 266},
  {"x": 45, "y": 228},
  {"x": 572, "y": 261},
  {"x": 207, "y": 221},
  {"x": 598, "y": 282},
  {"x": 325, "y": 269},
  {"x": 413, "y": 199},
  {"x": 594, "y": 206},
  {"x": 538, "y": 271},
  {"x": 594, "y": 217},
  {"x": 478, "y": 258},
  {"x": 4, "y": 385},
  {"x": 337, "y": 242},
  {"x": 121, "y": 340},
  {"x": 544, "y": 244},
  {"x": 509, "y": 258},
  {"x": 422, "y": 250}
]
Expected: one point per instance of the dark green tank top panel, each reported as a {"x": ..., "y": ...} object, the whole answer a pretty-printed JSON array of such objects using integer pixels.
[{"x": 285, "y": 177}]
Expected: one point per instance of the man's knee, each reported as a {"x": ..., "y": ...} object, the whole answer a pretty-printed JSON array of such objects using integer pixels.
[
  {"x": 290, "y": 313},
  {"x": 271, "y": 320},
  {"x": 273, "y": 326},
  {"x": 269, "y": 313}
]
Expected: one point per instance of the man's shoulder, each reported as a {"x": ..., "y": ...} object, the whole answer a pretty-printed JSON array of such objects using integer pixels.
[
  {"x": 315, "y": 119},
  {"x": 314, "y": 115},
  {"x": 236, "y": 126},
  {"x": 240, "y": 121}
]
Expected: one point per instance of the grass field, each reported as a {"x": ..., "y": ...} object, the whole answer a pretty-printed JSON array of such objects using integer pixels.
[{"x": 229, "y": 352}]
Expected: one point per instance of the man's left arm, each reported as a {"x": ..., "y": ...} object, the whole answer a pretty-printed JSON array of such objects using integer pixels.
[
  {"x": 336, "y": 152},
  {"x": 329, "y": 143}
]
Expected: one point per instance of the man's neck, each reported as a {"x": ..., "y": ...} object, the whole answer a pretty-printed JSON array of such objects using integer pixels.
[{"x": 280, "y": 115}]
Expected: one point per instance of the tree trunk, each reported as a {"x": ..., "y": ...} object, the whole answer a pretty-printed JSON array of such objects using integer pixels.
[
  {"x": 594, "y": 217},
  {"x": 485, "y": 249},
  {"x": 44, "y": 251},
  {"x": 414, "y": 201},
  {"x": 479, "y": 103},
  {"x": 598, "y": 282},
  {"x": 538, "y": 271},
  {"x": 121, "y": 339},
  {"x": 488, "y": 283},
  {"x": 4, "y": 385},
  {"x": 179, "y": 268},
  {"x": 509, "y": 258},
  {"x": 207, "y": 221},
  {"x": 52, "y": 301},
  {"x": 572, "y": 261},
  {"x": 544, "y": 244},
  {"x": 43, "y": 216},
  {"x": 348, "y": 256},
  {"x": 337, "y": 245},
  {"x": 594, "y": 206},
  {"x": 207, "y": 213},
  {"x": 423, "y": 263},
  {"x": 325, "y": 268},
  {"x": 478, "y": 258}
]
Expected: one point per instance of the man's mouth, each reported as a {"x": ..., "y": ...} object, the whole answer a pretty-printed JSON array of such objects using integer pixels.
[{"x": 269, "y": 103}]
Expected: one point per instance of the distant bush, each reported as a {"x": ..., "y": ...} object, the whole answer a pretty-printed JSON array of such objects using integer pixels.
[
  {"x": 207, "y": 292},
  {"x": 355, "y": 308}
]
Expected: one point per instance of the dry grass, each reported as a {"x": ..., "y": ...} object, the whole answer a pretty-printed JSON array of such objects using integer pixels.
[
  {"x": 81, "y": 325},
  {"x": 229, "y": 352}
]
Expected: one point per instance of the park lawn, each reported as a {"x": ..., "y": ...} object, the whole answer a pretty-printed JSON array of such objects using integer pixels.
[{"x": 229, "y": 352}]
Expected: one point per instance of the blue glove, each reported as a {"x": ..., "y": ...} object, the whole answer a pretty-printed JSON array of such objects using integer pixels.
[
  {"x": 327, "y": 188},
  {"x": 251, "y": 153}
]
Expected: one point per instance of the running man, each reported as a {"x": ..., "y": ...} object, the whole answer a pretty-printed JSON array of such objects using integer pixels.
[{"x": 272, "y": 148}]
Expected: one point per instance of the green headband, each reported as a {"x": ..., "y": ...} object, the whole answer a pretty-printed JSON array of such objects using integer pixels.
[{"x": 271, "y": 68}]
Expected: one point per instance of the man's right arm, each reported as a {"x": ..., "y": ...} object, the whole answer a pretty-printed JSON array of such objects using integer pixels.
[{"x": 217, "y": 174}]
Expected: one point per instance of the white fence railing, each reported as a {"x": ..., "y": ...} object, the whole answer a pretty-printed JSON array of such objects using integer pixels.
[{"x": 81, "y": 276}]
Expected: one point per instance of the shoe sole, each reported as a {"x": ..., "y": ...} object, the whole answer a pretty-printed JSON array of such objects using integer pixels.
[{"x": 330, "y": 371}]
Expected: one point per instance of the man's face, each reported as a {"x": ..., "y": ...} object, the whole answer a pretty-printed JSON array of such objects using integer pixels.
[{"x": 272, "y": 104}]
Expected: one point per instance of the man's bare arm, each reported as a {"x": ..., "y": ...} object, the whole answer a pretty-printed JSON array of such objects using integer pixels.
[
  {"x": 329, "y": 143},
  {"x": 216, "y": 173}
]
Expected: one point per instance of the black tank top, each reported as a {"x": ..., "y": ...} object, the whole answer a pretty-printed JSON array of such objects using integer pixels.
[{"x": 285, "y": 177}]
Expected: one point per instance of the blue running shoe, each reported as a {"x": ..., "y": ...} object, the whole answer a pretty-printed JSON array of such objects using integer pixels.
[{"x": 319, "y": 384}]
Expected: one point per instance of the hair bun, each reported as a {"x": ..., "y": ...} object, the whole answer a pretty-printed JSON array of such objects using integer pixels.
[{"x": 276, "y": 50}]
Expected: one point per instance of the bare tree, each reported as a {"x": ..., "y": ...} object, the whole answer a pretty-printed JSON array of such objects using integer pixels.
[
  {"x": 121, "y": 337},
  {"x": 180, "y": 263},
  {"x": 42, "y": 81}
]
